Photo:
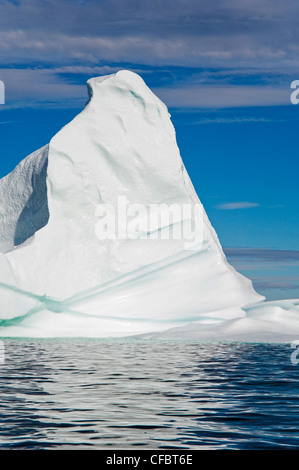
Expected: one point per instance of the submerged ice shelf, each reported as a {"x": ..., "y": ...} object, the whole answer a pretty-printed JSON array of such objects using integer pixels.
[{"x": 58, "y": 279}]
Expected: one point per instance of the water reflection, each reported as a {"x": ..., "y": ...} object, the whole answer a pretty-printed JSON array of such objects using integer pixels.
[{"x": 123, "y": 394}]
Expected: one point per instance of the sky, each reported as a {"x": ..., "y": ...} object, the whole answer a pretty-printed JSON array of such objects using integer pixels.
[{"x": 224, "y": 68}]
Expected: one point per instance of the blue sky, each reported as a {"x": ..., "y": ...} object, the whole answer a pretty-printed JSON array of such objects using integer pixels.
[{"x": 224, "y": 69}]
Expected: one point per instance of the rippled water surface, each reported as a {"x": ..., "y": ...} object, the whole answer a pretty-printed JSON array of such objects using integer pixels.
[{"x": 121, "y": 394}]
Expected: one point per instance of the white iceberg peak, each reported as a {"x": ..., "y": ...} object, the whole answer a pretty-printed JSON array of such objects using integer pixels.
[{"x": 57, "y": 278}]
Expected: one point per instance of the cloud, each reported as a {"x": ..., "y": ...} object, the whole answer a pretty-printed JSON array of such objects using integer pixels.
[
  {"x": 272, "y": 271},
  {"x": 223, "y": 96},
  {"x": 275, "y": 284},
  {"x": 237, "y": 205},
  {"x": 197, "y": 33},
  {"x": 65, "y": 86},
  {"x": 234, "y": 120},
  {"x": 261, "y": 254},
  {"x": 214, "y": 56},
  {"x": 29, "y": 87}
]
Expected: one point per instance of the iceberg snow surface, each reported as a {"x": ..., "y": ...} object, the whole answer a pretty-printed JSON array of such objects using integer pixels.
[{"x": 57, "y": 278}]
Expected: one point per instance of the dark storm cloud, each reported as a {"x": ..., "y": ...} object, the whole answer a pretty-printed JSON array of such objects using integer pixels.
[{"x": 170, "y": 31}]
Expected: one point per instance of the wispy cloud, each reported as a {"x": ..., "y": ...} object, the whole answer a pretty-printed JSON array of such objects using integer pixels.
[
  {"x": 32, "y": 87},
  {"x": 66, "y": 85},
  {"x": 261, "y": 254},
  {"x": 275, "y": 284},
  {"x": 223, "y": 96},
  {"x": 237, "y": 205},
  {"x": 234, "y": 120},
  {"x": 275, "y": 273}
]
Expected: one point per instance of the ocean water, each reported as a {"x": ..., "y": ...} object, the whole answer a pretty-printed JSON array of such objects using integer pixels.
[{"x": 130, "y": 394}]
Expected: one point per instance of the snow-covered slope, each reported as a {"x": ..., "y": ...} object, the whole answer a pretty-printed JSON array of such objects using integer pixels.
[{"x": 57, "y": 278}]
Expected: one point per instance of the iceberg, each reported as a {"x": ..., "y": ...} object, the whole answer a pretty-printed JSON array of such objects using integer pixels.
[{"x": 58, "y": 278}]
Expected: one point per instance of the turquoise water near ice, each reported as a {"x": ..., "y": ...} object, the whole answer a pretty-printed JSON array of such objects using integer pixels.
[{"x": 130, "y": 394}]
